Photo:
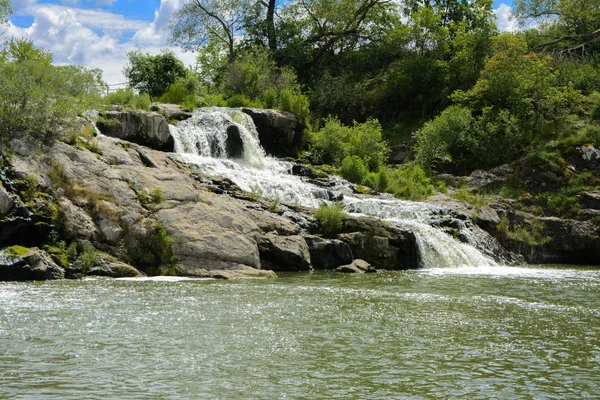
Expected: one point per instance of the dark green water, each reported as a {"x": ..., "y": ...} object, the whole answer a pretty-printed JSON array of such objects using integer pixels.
[{"x": 530, "y": 333}]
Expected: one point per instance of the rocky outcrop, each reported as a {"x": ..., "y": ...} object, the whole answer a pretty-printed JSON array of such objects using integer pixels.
[
  {"x": 171, "y": 111},
  {"x": 280, "y": 132},
  {"x": 382, "y": 245},
  {"x": 328, "y": 253},
  {"x": 357, "y": 267},
  {"x": 284, "y": 253},
  {"x": 22, "y": 264},
  {"x": 141, "y": 127},
  {"x": 196, "y": 226}
]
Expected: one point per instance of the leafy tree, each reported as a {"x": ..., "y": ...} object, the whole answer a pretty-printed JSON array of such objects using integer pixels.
[
  {"x": 571, "y": 26},
  {"x": 200, "y": 22},
  {"x": 153, "y": 74},
  {"x": 5, "y": 11},
  {"x": 39, "y": 99},
  {"x": 335, "y": 141}
]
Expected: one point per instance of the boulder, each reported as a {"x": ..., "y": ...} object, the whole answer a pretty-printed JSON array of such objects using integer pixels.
[
  {"x": 284, "y": 253},
  {"x": 381, "y": 244},
  {"x": 146, "y": 128},
  {"x": 113, "y": 268},
  {"x": 6, "y": 202},
  {"x": 590, "y": 200},
  {"x": 328, "y": 253},
  {"x": 280, "y": 132},
  {"x": 357, "y": 267},
  {"x": 171, "y": 111},
  {"x": 22, "y": 264}
]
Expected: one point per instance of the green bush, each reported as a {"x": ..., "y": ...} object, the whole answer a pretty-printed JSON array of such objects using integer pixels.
[
  {"x": 331, "y": 218},
  {"x": 128, "y": 98},
  {"x": 410, "y": 182},
  {"x": 334, "y": 142},
  {"x": 39, "y": 99},
  {"x": 353, "y": 169},
  {"x": 377, "y": 180},
  {"x": 153, "y": 250},
  {"x": 436, "y": 137}
]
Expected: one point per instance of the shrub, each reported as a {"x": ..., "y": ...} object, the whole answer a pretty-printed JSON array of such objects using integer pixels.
[
  {"x": 410, "y": 182},
  {"x": 157, "y": 195},
  {"x": 331, "y": 218},
  {"x": 378, "y": 180},
  {"x": 353, "y": 169},
  {"x": 154, "y": 249},
  {"x": 39, "y": 99},
  {"x": 335, "y": 141},
  {"x": 437, "y": 136}
]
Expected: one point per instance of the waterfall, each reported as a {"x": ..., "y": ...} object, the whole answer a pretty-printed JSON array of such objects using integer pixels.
[{"x": 207, "y": 141}]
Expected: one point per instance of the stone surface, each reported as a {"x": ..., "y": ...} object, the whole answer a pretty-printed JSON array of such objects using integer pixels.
[
  {"x": 382, "y": 245},
  {"x": 284, "y": 253},
  {"x": 357, "y": 267},
  {"x": 280, "y": 132},
  {"x": 113, "y": 268},
  {"x": 171, "y": 111},
  {"x": 328, "y": 253},
  {"x": 6, "y": 202},
  {"x": 141, "y": 127},
  {"x": 31, "y": 265},
  {"x": 590, "y": 200}
]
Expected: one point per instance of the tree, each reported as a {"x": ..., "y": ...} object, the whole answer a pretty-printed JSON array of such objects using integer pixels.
[
  {"x": 5, "y": 11},
  {"x": 39, "y": 99},
  {"x": 320, "y": 27},
  {"x": 153, "y": 74},
  {"x": 571, "y": 26},
  {"x": 199, "y": 22}
]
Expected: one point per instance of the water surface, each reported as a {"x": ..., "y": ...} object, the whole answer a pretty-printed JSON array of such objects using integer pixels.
[{"x": 476, "y": 333}]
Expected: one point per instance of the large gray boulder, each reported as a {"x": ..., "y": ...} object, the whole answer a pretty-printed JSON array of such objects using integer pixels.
[
  {"x": 284, "y": 253},
  {"x": 171, "y": 111},
  {"x": 357, "y": 267},
  {"x": 22, "y": 264},
  {"x": 328, "y": 253},
  {"x": 280, "y": 132},
  {"x": 6, "y": 202},
  {"x": 141, "y": 127}
]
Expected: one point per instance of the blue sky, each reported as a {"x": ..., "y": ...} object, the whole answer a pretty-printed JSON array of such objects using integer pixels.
[{"x": 99, "y": 33}]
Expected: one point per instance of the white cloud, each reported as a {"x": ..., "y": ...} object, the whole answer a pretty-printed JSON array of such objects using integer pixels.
[
  {"x": 94, "y": 38},
  {"x": 157, "y": 31},
  {"x": 505, "y": 19}
]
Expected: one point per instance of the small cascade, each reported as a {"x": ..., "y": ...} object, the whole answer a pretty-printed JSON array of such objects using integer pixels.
[
  {"x": 204, "y": 141},
  {"x": 219, "y": 133}
]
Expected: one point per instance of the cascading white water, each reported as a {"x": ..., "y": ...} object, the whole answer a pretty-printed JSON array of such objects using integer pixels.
[{"x": 201, "y": 141}]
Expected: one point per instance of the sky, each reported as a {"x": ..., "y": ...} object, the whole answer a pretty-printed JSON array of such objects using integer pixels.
[{"x": 99, "y": 33}]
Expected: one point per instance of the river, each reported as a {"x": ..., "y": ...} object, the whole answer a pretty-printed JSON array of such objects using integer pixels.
[{"x": 477, "y": 333}]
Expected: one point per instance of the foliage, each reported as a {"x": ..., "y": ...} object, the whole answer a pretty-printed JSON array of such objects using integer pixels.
[
  {"x": 474, "y": 199},
  {"x": 331, "y": 218},
  {"x": 353, "y": 169},
  {"x": 155, "y": 249},
  {"x": 335, "y": 141},
  {"x": 532, "y": 232},
  {"x": 128, "y": 98},
  {"x": 157, "y": 195},
  {"x": 379, "y": 180},
  {"x": 39, "y": 99},
  {"x": 153, "y": 74},
  {"x": 410, "y": 182},
  {"x": 184, "y": 91}
]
